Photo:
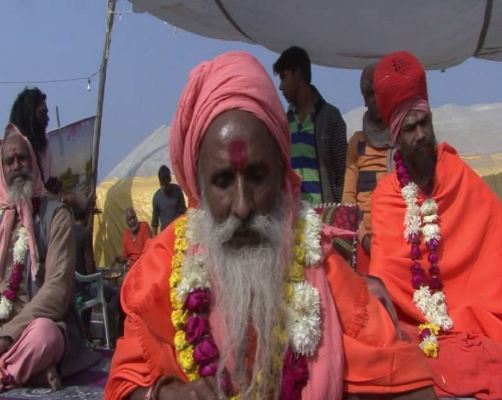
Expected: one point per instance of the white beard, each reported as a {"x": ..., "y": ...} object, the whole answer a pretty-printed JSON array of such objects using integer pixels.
[
  {"x": 248, "y": 283},
  {"x": 20, "y": 192}
]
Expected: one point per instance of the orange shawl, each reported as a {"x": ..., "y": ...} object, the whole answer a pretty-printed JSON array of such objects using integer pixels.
[
  {"x": 375, "y": 361},
  {"x": 470, "y": 259}
]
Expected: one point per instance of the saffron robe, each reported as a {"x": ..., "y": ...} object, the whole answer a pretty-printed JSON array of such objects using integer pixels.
[
  {"x": 470, "y": 254},
  {"x": 375, "y": 360}
]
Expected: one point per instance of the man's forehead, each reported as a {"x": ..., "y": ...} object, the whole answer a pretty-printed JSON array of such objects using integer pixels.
[
  {"x": 15, "y": 143},
  {"x": 414, "y": 116}
]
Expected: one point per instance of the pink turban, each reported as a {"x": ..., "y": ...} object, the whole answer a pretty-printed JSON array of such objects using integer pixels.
[
  {"x": 24, "y": 210},
  {"x": 233, "y": 80}
]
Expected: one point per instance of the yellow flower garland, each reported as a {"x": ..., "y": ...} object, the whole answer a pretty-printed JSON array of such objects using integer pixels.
[{"x": 184, "y": 350}]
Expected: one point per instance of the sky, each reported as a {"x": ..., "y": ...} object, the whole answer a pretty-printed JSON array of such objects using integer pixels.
[{"x": 148, "y": 66}]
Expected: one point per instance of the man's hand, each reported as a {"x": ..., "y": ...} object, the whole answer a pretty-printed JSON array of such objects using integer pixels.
[
  {"x": 5, "y": 343},
  {"x": 201, "y": 389},
  {"x": 378, "y": 289},
  {"x": 366, "y": 243}
]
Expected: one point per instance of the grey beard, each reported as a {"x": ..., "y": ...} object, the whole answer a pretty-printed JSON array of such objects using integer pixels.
[
  {"x": 18, "y": 193},
  {"x": 249, "y": 291}
]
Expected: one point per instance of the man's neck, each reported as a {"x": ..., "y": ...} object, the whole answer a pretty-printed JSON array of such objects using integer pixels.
[{"x": 305, "y": 102}]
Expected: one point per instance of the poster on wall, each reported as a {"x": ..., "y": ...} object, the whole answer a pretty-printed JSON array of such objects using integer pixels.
[{"x": 70, "y": 150}]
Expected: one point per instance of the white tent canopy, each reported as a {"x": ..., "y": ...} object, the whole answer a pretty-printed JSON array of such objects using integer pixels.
[
  {"x": 472, "y": 130},
  {"x": 347, "y": 34}
]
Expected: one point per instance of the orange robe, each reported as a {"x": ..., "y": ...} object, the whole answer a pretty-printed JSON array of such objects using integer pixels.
[
  {"x": 133, "y": 247},
  {"x": 375, "y": 361},
  {"x": 470, "y": 261}
]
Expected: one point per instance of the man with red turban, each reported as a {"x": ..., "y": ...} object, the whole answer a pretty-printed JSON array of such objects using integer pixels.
[
  {"x": 437, "y": 241},
  {"x": 239, "y": 296}
]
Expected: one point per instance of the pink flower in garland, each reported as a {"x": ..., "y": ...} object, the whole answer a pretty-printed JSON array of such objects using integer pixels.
[
  {"x": 198, "y": 301},
  {"x": 196, "y": 328},
  {"x": 9, "y": 294},
  {"x": 295, "y": 375},
  {"x": 205, "y": 351},
  {"x": 209, "y": 369}
]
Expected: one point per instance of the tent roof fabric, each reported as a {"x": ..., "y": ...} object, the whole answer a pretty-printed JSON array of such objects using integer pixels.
[
  {"x": 146, "y": 158},
  {"x": 475, "y": 129},
  {"x": 345, "y": 34}
]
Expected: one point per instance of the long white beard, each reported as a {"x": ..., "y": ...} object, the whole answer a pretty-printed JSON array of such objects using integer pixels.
[
  {"x": 17, "y": 193},
  {"x": 249, "y": 291}
]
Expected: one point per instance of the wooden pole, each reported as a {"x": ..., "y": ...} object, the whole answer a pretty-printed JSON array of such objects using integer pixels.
[
  {"x": 101, "y": 94},
  {"x": 57, "y": 117}
]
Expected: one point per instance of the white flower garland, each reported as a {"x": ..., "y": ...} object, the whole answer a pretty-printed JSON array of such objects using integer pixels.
[
  {"x": 431, "y": 305},
  {"x": 19, "y": 255},
  {"x": 194, "y": 276},
  {"x": 304, "y": 319},
  {"x": 312, "y": 235},
  {"x": 304, "y": 311}
]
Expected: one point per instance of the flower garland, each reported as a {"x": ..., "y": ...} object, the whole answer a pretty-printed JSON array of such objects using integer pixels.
[
  {"x": 428, "y": 296},
  {"x": 190, "y": 295},
  {"x": 19, "y": 254}
]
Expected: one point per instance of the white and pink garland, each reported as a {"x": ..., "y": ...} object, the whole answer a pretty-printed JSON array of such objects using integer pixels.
[
  {"x": 19, "y": 255},
  {"x": 428, "y": 296}
]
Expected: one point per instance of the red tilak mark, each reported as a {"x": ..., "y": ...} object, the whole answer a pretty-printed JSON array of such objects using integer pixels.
[{"x": 238, "y": 154}]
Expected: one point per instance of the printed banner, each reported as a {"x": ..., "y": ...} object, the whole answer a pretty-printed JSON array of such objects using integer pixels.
[{"x": 70, "y": 149}]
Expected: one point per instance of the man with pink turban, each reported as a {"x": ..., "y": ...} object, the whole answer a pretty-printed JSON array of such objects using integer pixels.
[
  {"x": 244, "y": 296},
  {"x": 37, "y": 259},
  {"x": 437, "y": 241}
]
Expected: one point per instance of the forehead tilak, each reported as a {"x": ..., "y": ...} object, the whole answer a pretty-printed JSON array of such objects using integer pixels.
[{"x": 238, "y": 154}]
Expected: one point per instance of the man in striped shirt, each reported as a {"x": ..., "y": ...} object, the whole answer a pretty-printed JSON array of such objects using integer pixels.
[{"x": 319, "y": 139}]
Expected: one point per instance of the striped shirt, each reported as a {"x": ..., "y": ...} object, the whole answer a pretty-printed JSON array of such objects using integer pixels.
[{"x": 304, "y": 156}]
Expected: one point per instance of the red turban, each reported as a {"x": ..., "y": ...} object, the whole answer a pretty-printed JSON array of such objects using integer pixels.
[
  {"x": 398, "y": 77},
  {"x": 234, "y": 80}
]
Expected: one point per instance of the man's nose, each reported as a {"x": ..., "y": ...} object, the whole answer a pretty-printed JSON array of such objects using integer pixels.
[
  {"x": 241, "y": 204},
  {"x": 420, "y": 134},
  {"x": 16, "y": 164}
]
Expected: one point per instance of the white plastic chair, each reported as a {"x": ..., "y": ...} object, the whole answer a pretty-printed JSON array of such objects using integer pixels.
[{"x": 100, "y": 299}]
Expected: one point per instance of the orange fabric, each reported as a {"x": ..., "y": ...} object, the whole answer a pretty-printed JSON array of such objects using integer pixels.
[
  {"x": 375, "y": 361},
  {"x": 132, "y": 248},
  {"x": 470, "y": 253},
  {"x": 362, "y": 260},
  {"x": 146, "y": 351}
]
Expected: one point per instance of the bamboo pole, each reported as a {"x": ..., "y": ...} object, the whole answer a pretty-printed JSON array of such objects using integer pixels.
[{"x": 101, "y": 94}]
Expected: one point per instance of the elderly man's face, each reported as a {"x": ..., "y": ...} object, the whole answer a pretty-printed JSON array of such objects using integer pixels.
[
  {"x": 16, "y": 161},
  {"x": 240, "y": 169},
  {"x": 131, "y": 220}
]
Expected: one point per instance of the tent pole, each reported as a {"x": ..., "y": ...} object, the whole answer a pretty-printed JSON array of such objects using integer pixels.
[{"x": 101, "y": 93}]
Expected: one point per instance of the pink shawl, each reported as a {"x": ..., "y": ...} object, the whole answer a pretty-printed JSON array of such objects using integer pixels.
[{"x": 24, "y": 209}]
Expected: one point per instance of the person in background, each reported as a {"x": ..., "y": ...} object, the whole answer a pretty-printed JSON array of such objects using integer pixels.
[
  {"x": 31, "y": 116},
  {"x": 437, "y": 241},
  {"x": 168, "y": 201},
  {"x": 134, "y": 238},
  {"x": 38, "y": 335},
  {"x": 368, "y": 159},
  {"x": 318, "y": 131}
]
